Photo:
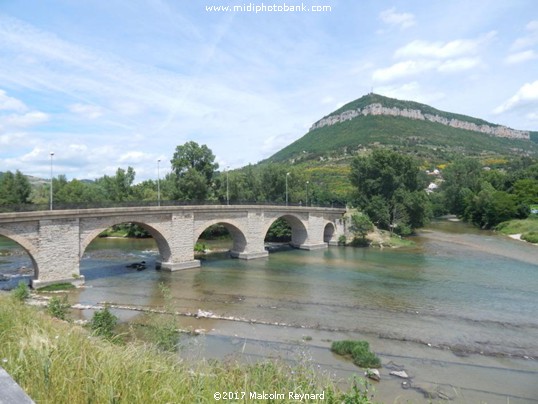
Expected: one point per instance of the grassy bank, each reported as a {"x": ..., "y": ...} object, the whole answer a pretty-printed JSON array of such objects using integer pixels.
[
  {"x": 528, "y": 228},
  {"x": 57, "y": 362}
]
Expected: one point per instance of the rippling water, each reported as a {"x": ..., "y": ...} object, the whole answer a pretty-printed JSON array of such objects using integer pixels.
[{"x": 459, "y": 311}]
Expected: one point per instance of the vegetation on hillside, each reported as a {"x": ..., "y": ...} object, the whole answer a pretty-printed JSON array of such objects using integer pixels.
[{"x": 432, "y": 143}]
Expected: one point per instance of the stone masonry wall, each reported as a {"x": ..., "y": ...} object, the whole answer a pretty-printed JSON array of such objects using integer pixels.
[{"x": 58, "y": 254}]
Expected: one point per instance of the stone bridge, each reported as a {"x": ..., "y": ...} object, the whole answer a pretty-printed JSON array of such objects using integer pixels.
[{"x": 56, "y": 240}]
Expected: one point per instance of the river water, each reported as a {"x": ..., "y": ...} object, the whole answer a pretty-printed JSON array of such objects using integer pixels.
[{"x": 458, "y": 311}]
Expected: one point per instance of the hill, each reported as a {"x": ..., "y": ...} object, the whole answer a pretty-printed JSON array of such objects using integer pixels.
[{"x": 432, "y": 135}]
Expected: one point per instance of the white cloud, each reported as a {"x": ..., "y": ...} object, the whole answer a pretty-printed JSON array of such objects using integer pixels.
[
  {"x": 411, "y": 68},
  {"x": 87, "y": 110},
  {"x": 521, "y": 57},
  {"x": 391, "y": 17},
  {"x": 528, "y": 93},
  {"x": 133, "y": 156},
  {"x": 528, "y": 40},
  {"x": 444, "y": 50},
  {"x": 22, "y": 120},
  {"x": 457, "y": 65},
  {"x": 11, "y": 139},
  {"x": 410, "y": 91},
  {"x": 8, "y": 103},
  {"x": 404, "y": 69}
]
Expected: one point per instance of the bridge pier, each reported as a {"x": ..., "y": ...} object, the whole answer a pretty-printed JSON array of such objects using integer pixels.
[
  {"x": 178, "y": 266},
  {"x": 309, "y": 247},
  {"x": 249, "y": 255}
]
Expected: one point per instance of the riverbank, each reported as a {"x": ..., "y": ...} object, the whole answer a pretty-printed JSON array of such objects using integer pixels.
[
  {"x": 55, "y": 361},
  {"x": 525, "y": 229}
]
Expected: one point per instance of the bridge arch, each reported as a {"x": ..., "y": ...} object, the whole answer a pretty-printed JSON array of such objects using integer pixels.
[
  {"x": 239, "y": 239},
  {"x": 299, "y": 233},
  {"x": 329, "y": 233},
  {"x": 26, "y": 245},
  {"x": 162, "y": 243}
]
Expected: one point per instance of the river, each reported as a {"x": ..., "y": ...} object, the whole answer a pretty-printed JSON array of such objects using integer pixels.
[{"x": 458, "y": 311}]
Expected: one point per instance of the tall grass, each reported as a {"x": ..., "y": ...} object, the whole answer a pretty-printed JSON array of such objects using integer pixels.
[
  {"x": 57, "y": 362},
  {"x": 528, "y": 228}
]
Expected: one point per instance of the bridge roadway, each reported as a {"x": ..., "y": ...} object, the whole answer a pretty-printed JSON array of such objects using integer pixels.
[{"x": 56, "y": 240}]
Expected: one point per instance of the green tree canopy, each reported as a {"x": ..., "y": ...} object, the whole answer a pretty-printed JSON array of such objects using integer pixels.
[
  {"x": 389, "y": 190},
  {"x": 193, "y": 170},
  {"x": 14, "y": 188}
]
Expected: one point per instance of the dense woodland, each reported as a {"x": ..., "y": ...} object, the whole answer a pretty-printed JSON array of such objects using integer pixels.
[{"x": 386, "y": 185}]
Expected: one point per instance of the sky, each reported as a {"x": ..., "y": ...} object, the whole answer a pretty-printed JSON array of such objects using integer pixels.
[{"x": 119, "y": 83}]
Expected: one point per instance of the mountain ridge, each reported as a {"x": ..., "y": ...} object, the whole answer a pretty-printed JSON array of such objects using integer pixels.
[
  {"x": 428, "y": 133},
  {"x": 420, "y": 112}
]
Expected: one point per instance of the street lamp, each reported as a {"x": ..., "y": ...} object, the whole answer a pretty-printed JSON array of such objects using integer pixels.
[
  {"x": 227, "y": 190},
  {"x": 306, "y": 202},
  {"x": 51, "y": 154},
  {"x": 158, "y": 183},
  {"x": 287, "y": 175}
]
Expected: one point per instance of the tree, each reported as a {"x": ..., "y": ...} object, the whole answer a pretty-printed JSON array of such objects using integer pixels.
[
  {"x": 526, "y": 191},
  {"x": 461, "y": 177},
  {"x": 194, "y": 167},
  {"x": 390, "y": 190},
  {"x": 360, "y": 226},
  {"x": 14, "y": 188},
  {"x": 119, "y": 187}
]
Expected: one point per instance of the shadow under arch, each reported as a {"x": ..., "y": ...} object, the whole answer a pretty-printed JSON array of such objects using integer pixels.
[
  {"x": 299, "y": 234},
  {"x": 162, "y": 243},
  {"x": 26, "y": 245},
  {"x": 238, "y": 236},
  {"x": 329, "y": 231}
]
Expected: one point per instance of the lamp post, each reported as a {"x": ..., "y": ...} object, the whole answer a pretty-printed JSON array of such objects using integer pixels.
[
  {"x": 227, "y": 189},
  {"x": 306, "y": 202},
  {"x": 158, "y": 183},
  {"x": 287, "y": 175},
  {"x": 51, "y": 154}
]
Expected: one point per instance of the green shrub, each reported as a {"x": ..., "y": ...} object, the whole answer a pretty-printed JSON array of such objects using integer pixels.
[
  {"x": 342, "y": 240},
  {"x": 531, "y": 237},
  {"x": 360, "y": 242},
  {"x": 103, "y": 323},
  {"x": 343, "y": 347},
  {"x": 359, "y": 352},
  {"x": 359, "y": 393},
  {"x": 21, "y": 292},
  {"x": 163, "y": 330},
  {"x": 58, "y": 307}
]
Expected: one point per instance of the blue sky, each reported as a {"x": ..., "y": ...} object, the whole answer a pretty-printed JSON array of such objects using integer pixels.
[{"x": 117, "y": 83}]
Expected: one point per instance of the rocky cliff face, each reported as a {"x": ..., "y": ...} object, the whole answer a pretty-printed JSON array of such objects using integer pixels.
[{"x": 378, "y": 109}]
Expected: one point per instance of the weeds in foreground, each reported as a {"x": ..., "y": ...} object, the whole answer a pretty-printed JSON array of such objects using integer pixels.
[
  {"x": 58, "y": 307},
  {"x": 21, "y": 292},
  {"x": 163, "y": 330},
  {"x": 57, "y": 362},
  {"x": 103, "y": 323}
]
